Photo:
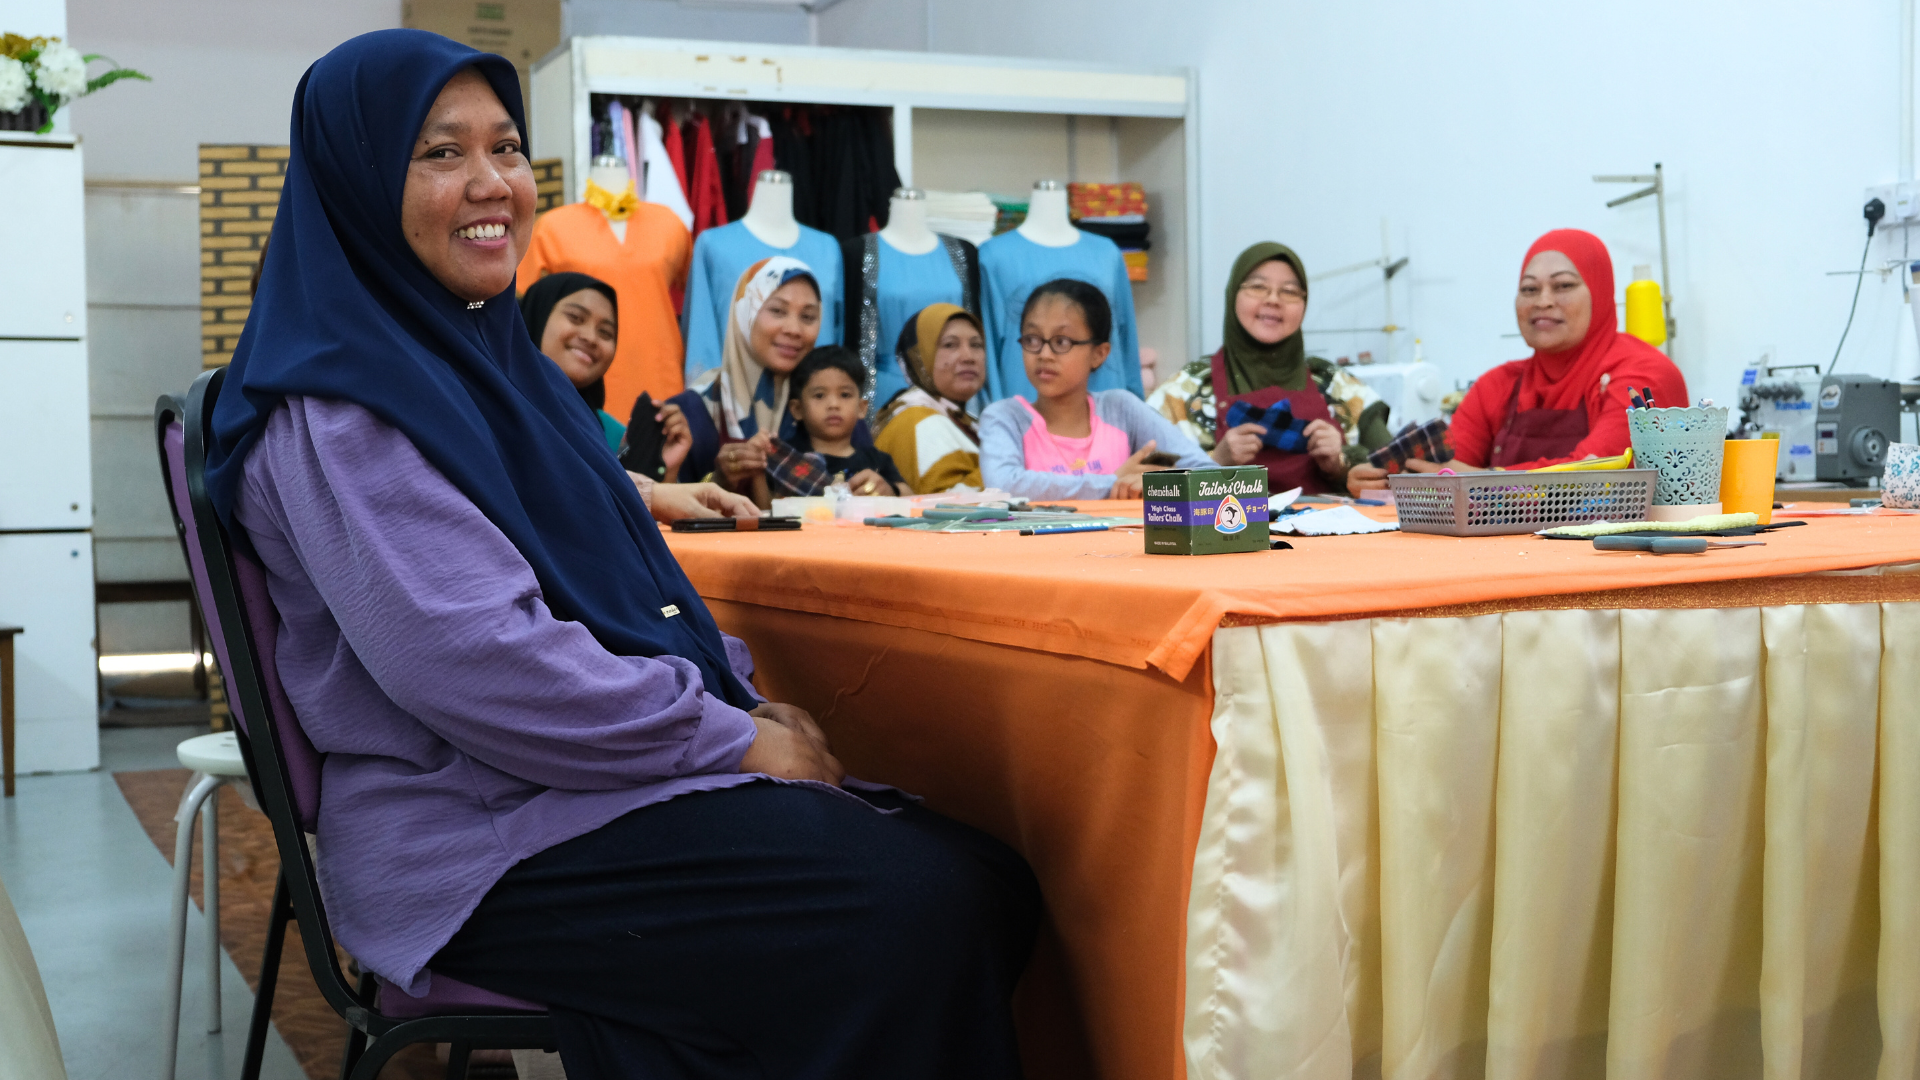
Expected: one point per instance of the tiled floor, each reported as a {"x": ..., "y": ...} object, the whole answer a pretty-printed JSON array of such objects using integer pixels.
[{"x": 91, "y": 890}]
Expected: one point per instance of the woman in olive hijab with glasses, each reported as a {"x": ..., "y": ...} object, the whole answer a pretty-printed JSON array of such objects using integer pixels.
[{"x": 1261, "y": 399}]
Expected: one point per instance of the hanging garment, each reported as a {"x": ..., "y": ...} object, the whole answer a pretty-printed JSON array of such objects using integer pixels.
[
  {"x": 733, "y": 156},
  {"x": 631, "y": 148},
  {"x": 762, "y": 157},
  {"x": 793, "y": 153},
  {"x": 720, "y": 256},
  {"x": 676, "y": 148},
  {"x": 887, "y": 287},
  {"x": 663, "y": 181},
  {"x": 1012, "y": 266},
  {"x": 643, "y": 269},
  {"x": 708, "y": 198}
]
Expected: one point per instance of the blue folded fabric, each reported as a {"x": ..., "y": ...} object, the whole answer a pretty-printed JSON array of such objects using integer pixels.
[{"x": 1285, "y": 431}]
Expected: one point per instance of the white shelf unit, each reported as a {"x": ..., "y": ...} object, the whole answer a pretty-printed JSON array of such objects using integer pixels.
[
  {"x": 46, "y": 481},
  {"x": 960, "y": 123}
]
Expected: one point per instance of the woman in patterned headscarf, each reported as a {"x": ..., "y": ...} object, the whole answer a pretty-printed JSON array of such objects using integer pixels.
[
  {"x": 925, "y": 428},
  {"x": 775, "y": 318}
]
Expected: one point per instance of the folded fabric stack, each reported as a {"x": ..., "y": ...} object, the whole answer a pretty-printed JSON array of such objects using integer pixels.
[
  {"x": 1416, "y": 442},
  {"x": 968, "y": 215},
  {"x": 1117, "y": 212},
  {"x": 1009, "y": 213}
]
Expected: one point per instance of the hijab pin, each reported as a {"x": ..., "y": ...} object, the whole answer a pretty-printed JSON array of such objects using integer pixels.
[{"x": 476, "y": 305}]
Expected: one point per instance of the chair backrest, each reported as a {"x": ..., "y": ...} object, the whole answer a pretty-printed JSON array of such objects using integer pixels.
[
  {"x": 303, "y": 761},
  {"x": 241, "y": 620}
]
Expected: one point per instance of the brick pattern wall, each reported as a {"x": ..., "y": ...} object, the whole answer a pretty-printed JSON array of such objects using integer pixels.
[
  {"x": 549, "y": 176},
  {"x": 239, "y": 192}
]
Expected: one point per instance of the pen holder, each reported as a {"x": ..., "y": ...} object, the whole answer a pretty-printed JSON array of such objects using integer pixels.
[{"x": 1685, "y": 447}]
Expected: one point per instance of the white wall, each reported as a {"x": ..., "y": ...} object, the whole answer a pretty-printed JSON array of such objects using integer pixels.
[
  {"x": 669, "y": 19},
  {"x": 1474, "y": 128}
]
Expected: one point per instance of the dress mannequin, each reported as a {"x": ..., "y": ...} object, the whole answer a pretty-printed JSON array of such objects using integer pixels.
[
  {"x": 1047, "y": 246},
  {"x": 611, "y": 173},
  {"x": 1047, "y": 222},
  {"x": 770, "y": 216},
  {"x": 894, "y": 273},
  {"x": 644, "y": 256},
  {"x": 906, "y": 230}
]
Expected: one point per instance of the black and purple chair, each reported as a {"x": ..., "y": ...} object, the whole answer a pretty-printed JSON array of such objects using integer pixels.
[{"x": 284, "y": 769}]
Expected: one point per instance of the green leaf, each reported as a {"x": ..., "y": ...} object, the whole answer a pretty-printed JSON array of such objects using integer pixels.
[{"x": 115, "y": 76}]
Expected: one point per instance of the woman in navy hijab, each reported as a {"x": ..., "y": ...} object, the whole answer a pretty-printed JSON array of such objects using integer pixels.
[{"x": 546, "y": 772}]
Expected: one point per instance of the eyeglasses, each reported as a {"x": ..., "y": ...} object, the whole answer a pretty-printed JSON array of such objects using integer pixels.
[
  {"x": 1285, "y": 294},
  {"x": 1059, "y": 346}
]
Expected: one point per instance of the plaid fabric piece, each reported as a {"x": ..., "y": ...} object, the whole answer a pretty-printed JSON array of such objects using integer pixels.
[
  {"x": 1285, "y": 431},
  {"x": 1416, "y": 442},
  {"x": 792, "y": 473}
]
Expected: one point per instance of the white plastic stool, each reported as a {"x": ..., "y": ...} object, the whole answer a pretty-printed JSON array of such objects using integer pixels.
[{"x": 215, "y": 761}]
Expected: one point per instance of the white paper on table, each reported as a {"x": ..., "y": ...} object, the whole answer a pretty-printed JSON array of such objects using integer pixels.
[{"x": 1338, "y": 521}]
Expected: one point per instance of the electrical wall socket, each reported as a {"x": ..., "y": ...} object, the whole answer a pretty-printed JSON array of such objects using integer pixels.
[{"x": 1902, "y": 200}]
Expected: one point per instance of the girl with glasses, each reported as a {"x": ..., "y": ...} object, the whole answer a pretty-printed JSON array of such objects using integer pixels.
[{"x": 1067, "y": 443}]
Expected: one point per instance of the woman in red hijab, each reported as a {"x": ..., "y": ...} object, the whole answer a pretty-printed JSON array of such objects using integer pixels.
[{"x": 1568, "y": 401}]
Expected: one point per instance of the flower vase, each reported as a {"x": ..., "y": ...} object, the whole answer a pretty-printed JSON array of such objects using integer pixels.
[{"x": 31, "y": 117}]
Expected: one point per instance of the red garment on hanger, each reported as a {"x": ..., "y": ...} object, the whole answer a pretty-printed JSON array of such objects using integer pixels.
[
  {"x": 708, "y": 198},
  {"x": 762, "y": 161},
  {"x": 677, "y": 154}
]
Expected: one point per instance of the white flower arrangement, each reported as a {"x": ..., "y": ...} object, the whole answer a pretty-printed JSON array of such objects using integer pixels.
[
  {"x": 16, "y": 86},
  {"x": 62, "y": 71},
  {"x": 49, "y": 73}
]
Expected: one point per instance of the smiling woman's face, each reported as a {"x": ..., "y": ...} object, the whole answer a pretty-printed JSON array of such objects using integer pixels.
[
  {"x": 787, "y": 325},
  {"x": 1554, "y": 305},
  {"x": 581, "y": 335},
  {"x": 467, "y": 208}
]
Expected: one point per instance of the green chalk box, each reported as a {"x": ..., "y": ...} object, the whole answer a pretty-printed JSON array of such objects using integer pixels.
[{"x": 1206, "y": 511}]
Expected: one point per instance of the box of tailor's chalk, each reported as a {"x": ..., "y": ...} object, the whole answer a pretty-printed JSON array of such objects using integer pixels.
[{"x": 1206, "y": 511}]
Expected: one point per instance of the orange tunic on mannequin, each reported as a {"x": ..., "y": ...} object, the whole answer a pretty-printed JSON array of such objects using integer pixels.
[{"x": 643, "y": 270}]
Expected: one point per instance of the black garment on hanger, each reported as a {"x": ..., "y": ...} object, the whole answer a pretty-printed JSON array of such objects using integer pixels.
[{"x": 793, "y": 154}]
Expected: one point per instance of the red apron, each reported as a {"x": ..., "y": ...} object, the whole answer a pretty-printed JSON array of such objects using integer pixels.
[
  {"x": 1284, "y": 471},
  {"x": 1533, "y": 434}
]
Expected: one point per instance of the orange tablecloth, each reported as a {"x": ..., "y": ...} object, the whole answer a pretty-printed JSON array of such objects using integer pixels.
[
  {"x": 1098, "y": 595},
  {"x": 1048, "y": 690}
]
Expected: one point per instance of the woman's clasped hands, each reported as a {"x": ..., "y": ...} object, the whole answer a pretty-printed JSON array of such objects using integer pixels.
[{"x": 789, "y": 745}]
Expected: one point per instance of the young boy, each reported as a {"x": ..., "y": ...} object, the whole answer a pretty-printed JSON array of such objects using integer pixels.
[{"x": 827, "y": 397}]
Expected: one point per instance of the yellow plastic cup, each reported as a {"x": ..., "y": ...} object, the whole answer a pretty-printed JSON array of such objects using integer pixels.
[{"x": 1746, "y": 477}]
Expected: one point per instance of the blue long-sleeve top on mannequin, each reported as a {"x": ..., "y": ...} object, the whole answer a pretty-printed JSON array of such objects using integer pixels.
[
  {"x": 720, "y": 256},
  {"x": 1012, "y": 266}
]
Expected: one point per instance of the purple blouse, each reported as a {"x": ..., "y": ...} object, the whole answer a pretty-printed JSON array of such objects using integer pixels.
[{"x": 464, "y": 727}]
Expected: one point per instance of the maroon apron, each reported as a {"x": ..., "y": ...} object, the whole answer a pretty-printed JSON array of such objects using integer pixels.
[
  {"x": 1533, "y": 434},
  {"x": 1284, "y": 471}
]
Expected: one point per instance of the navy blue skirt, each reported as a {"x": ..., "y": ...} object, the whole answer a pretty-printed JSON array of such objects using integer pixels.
[{"x": 765, "y": 931}]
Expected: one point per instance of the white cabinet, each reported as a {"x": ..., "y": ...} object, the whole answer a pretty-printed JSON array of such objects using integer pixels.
[
  {"x": 46, "y": 478},
  {"x": 43, "y": 279},
  {"x": 46, "y": 481},
  {"x": 46, "y": 586}
]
